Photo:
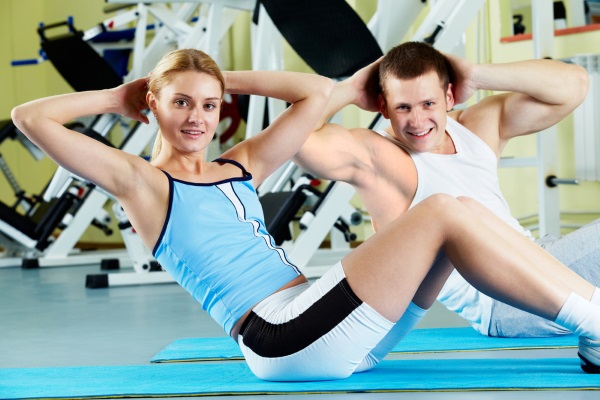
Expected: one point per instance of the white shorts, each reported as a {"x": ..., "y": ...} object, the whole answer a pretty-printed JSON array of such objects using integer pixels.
[{"x": 311, "y": 332}]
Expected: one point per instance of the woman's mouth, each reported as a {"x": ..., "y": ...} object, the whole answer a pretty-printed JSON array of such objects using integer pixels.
[{"x": 191, "y": 132}]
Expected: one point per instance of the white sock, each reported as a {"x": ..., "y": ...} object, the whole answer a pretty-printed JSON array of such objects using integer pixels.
[
  {"x": 580, "y": 316},
  {"x": 596, "y": 296}
]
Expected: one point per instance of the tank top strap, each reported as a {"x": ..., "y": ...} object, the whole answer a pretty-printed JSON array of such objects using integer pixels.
[
  {"x": 167, "y": 174},
  {"x": 233, "y": 162}
]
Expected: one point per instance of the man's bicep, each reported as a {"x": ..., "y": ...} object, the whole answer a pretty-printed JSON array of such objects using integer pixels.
[{"x": 524, "y": 115}]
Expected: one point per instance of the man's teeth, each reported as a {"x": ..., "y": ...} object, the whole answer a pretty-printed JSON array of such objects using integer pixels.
[{"x": 420, "y": 133}]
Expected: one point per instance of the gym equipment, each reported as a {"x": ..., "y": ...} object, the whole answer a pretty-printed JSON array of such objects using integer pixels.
[
  {"x": 9, "y": 131},
  {"x": 27, "y": 227},
  {"x": 60, "y": 49},
  {"x": 329, "y": 36},
  {"x": 197, "y": 24},
  {"x": 87, "y": 201},
  {"x": 314, "y": 30}
]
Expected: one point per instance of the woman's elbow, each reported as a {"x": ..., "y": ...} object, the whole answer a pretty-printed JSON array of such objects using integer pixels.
[
  {"x": 16, "y": 114},
  {"x": 23, "y": 118}
]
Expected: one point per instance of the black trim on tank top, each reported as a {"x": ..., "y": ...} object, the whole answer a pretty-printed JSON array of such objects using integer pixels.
[{"x": 233, "y": 162}]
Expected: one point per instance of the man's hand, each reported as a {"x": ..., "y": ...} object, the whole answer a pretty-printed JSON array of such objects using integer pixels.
[
  {"x": 463, "y": 86},
  {"x": 365, "y": 83}
]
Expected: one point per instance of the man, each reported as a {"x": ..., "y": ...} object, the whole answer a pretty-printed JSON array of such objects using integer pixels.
[{"x": 429, "y": 148}]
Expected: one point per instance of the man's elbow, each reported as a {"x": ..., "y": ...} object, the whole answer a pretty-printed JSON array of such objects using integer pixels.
[{"x": 580, "y": 84}]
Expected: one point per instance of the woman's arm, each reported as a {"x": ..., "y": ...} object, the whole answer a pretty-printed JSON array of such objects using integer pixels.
[
  {"x": 308, "y": 95},
  {"x": 42, "y": 121}
]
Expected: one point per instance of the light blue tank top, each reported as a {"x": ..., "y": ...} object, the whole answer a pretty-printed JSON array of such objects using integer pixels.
[{"x": 215, "y": 245}]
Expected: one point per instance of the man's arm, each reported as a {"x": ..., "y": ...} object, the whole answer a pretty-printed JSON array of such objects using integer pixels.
[
  {"x": 334, "y": 152},
  {"x": 540, "y": 94}
]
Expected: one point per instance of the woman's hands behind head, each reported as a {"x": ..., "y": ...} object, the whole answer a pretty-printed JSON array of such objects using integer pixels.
[{"x": 130, "y": 99}]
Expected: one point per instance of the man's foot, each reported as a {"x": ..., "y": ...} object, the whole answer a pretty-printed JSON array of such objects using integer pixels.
[{"x": 589, "y": 352}]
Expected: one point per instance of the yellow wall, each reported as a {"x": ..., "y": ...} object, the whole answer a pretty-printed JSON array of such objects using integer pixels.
[
  {"x": 19, "y": 40},
  {"x": 519, "y": 184}
]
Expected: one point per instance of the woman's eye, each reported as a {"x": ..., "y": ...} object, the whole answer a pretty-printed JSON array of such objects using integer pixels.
[
  {"x": 210, "y": 106},
  {"x": 181, "y": 103}
]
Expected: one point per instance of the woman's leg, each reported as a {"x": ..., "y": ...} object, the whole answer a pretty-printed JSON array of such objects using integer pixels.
[
  {"x": 386, "y": 270},
  {"x": 424, "y": 297}
]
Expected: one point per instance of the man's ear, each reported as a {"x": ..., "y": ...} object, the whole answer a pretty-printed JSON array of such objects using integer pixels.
[
  {"x": 450, "y": 97},
  {"x": 382, "y": 106}
]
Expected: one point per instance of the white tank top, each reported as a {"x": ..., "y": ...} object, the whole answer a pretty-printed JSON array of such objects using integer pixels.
[{"x": 473, "y": 172}]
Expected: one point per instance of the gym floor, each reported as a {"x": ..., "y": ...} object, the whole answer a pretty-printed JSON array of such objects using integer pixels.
[{"x": 49, "y": 319}]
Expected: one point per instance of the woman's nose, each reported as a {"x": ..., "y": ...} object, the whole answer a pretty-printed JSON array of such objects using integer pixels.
[{"x": 195, "y": 116}]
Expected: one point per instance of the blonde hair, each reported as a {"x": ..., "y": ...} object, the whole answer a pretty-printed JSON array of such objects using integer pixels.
[{"x": 176, "y": 61}]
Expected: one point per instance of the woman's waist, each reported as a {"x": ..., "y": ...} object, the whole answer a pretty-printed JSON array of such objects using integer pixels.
[{"x": 294, "y": 282}]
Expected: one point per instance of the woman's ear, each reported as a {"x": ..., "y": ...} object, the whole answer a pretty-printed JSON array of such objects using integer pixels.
[{"x": 151, "y": 100}]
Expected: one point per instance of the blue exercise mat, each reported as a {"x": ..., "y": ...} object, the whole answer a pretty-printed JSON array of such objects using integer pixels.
[
  {"x": 417, "y": 341},
  {"x": 235, "y": 378}
]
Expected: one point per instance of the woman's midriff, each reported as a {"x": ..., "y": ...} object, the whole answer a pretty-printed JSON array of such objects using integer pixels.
[{"x": 236, "y": 328}]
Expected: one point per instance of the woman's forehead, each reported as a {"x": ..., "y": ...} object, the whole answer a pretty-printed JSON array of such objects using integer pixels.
[{"x": 193, "y": 84}]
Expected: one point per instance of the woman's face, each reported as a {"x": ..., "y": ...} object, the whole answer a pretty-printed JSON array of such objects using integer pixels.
[{"x": 188, "y": 111}]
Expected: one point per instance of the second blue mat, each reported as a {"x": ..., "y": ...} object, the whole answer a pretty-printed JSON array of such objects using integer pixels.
[{"x": 417, "y": 341}]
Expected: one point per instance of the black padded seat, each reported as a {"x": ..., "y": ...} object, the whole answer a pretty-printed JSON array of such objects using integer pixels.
[
  {"x": 328, "y": 34},
  {"x": 18, "y": 221},
  {"x": 77, "y": 62},
  {"x": 7, "y": 130},
  {"x": 280, "y": 208},
  {"x": 42, "y": 223}
]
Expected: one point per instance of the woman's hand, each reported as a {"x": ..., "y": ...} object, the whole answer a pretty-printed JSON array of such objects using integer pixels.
[{"x": 130, "y": 99}]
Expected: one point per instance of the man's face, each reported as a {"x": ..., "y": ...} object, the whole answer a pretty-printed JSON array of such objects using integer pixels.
[{"x": 417, "y": 111}]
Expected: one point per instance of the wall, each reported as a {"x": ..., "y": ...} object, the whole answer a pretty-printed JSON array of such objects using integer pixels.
[
  {"x": 519, "y": 184},
  {"x": 19, "y": 40}
]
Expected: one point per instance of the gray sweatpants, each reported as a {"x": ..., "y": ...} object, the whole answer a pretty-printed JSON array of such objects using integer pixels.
[{"x": 580, "y": 251}]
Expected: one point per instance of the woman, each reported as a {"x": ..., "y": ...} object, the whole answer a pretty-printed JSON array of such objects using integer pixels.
[{"x": 205, "y": 226}]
